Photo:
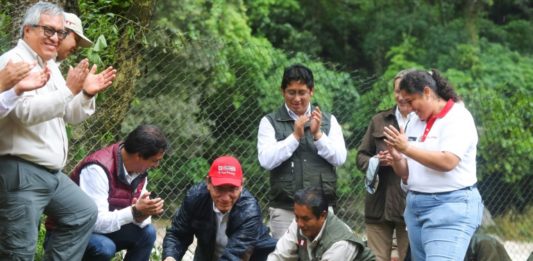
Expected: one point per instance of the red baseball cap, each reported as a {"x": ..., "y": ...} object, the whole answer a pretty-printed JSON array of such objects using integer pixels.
[{"x": 226, "y": 170}]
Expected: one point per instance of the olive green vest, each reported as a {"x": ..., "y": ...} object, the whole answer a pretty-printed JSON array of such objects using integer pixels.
[
  {"x": 335, "y": 231},
  {"x": 305, "y": 168}
]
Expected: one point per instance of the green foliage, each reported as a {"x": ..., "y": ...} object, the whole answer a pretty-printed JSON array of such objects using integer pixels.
[
  {"x": 5, "y": 21},
  {"x": 39, "y": 249},
  {"x": 174, "y": 113},
  {"x": 380, "y": 96},
  {"x": 500, "y": 99}
]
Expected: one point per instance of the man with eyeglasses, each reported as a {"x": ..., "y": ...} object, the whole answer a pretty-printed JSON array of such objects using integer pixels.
[
  {"x": 115, "y": 178},
  {"x": 34, "y": 146},
  {"x": 224, "y": 217},
  {"x": 300, "y": 145}
]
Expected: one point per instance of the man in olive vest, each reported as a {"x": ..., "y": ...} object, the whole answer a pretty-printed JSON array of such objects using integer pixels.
[
  {"x": 300, "y": 145},
  {"x": 317, "y": 234}
]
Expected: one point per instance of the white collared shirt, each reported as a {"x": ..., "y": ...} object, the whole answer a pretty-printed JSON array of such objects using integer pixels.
[
  {"x": 95, "y": 183},
  {"x": 402, "y": 121},
  {"x": 35, "y": 129},
  {"x": 455, "y": 133},
  {"x": 272, "y": 153}
]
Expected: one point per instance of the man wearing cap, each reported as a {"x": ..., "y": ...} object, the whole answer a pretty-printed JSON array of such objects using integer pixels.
[
  {"x": 115, "y": 178},
  {"x": 224, "y": 217},
  {"x": 74, "y": 38}
]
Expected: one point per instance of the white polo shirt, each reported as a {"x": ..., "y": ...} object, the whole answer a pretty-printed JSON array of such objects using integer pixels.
[{"x": 453, "y": 131}]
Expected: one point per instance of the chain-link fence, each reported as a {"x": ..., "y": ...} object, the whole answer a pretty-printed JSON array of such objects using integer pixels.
[{"x": 208, "y": 104}]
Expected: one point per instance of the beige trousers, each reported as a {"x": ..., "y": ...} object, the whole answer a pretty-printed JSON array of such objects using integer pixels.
[{"x": 380, "y": 237}]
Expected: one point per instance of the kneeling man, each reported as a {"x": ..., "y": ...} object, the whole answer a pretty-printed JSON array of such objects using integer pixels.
[
  {"x": 316, "y": 234},
  {"x": 224, "y": 217}
]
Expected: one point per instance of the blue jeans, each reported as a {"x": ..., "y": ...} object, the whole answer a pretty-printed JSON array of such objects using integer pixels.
[
  {"x": 137, "y": 241},
  {"x": 440, "y": 225}
]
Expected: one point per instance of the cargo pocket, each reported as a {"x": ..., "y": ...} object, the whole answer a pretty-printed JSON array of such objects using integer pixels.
[
  {"x": 17, "y": 230},
  {"x": 9, "y": 176},
  {"x": 329, "y": 185},
  {"x": 282, "y": 187}
]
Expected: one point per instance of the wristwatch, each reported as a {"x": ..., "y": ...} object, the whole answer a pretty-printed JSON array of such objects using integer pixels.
[{"x": 137, "y": 215}]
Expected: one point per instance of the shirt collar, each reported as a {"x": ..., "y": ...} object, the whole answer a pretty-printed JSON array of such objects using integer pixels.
[
  {"x": 446, "y": 109},
  {"x": 293, "y": 115},
  {"x": 402, "y": 121},
  {"x": 218, "y": 212},
  {"x": 129, "y": 177},
  {"x": 22, "y": 44}
]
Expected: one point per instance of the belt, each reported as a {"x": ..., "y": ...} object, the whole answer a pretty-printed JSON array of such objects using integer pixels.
[
  {"x": 445, "y": 192},
  {"x": 19, "y": 159}
]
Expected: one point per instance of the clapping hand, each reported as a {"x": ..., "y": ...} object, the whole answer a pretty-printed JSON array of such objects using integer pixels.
[
  {"x": 34, "y": 80},
  {"x": 13, "y": 73},
  {"x": 316, "y": 120},
  {"x": 95, "y": 83}
]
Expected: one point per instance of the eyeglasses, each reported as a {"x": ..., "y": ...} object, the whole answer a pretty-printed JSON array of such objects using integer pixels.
[
  {"x": 49, "y": 31},
  {"x": 294, "y": 93}
]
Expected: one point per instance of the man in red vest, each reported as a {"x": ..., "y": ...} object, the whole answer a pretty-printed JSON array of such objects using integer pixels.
[{"x": 115, "y": 177}]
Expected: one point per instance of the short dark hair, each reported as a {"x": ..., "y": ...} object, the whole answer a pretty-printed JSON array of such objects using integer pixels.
[
  {"x": 147, "y": 140},
  {"x": 297, "y": 73},
  {"x": 313, "y": 198}
]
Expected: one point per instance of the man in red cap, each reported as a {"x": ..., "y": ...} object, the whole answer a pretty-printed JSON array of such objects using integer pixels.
[{"x": 224, "y": 217}]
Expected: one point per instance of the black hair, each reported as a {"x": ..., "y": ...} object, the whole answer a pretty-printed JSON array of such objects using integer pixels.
[
  {"x": 414, "y": 82},
  {"x": 147, "y": 140},
  {"x": 313, "y": 198},
  {"x": 297, "y": 73}
]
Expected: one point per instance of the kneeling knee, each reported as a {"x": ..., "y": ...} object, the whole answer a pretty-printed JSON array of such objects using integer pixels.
[{"x": 150, "y": 233}]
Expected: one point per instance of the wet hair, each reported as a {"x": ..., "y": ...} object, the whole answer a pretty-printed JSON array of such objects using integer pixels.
[
  {"x": 147, "y": 140},
  {"x": 33, "y": 14},
  {"x": 415, "y": 81},
  {"x": 313, "y": 198},
  {"x": 297, "y": 73}
]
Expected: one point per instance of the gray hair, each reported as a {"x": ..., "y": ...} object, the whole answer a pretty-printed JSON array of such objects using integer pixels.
[
  {"x": 33, "y": 14},
  {"x": 402, "y": 73}
]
